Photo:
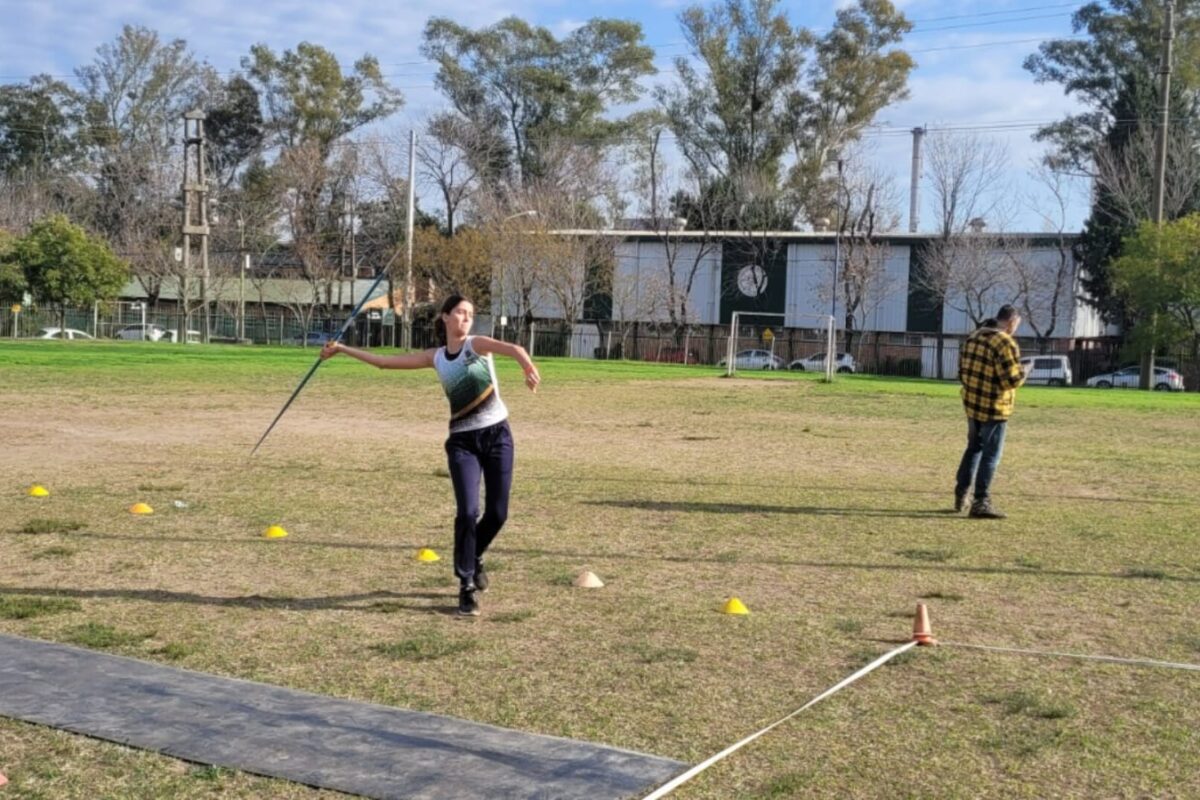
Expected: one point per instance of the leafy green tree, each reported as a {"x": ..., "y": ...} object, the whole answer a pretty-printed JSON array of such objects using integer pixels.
[
  {"x": 12, "y": 278},
  {"x": 234, "y": 130},
  {"x": 1110, "y": 67},
  {"x": 309, "y": 100},
  {"x": 770, "y": 90},
  {"x": 1115, "y": 46},
  {"x": 532, "y": 90},
  {"x": 39, "y": 126},
  {"x": 66, "y": 267},
  {"x": 1158, "y": 276}
]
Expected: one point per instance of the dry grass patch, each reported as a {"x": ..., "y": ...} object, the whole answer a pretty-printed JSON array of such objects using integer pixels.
[{"x": 830, "y": 539}]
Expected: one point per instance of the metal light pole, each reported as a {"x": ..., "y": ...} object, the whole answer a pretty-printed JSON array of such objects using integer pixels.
[
  {"x": 408, "y": 266},
  {"x": 500, "y": 281},
  {"x": 831, "y": 347}
]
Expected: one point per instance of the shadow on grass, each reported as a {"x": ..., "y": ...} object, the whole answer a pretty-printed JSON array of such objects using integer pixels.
[
  {"x": 537, "y": 552},
  {"x": 842, "y": 488},
  {"x": 385, "y": 601},
  {"x": 758, "y": 508}
]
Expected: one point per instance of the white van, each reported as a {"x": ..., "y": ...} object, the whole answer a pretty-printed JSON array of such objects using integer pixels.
[{"x": 1047, "y": 370}]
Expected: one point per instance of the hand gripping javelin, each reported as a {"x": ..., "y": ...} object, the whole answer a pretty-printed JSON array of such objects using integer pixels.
[{"x": 337, "y": 337}]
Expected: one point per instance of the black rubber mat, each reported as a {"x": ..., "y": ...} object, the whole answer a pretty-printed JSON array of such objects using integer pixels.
[{"x": 360, "y": 748}]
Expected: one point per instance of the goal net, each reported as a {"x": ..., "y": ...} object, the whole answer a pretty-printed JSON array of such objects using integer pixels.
[{"x": 761, "y": 341}]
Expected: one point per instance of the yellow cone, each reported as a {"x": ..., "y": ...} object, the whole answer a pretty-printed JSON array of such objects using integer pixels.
[
  {"x": 37, "y": 490},
  {"x": 588, "y": 580},
  {"x": 425, "y": 554},
  {"x": 735, "y": 606},
  {"x": 140, "y": 508},
  {"x": 274, "y": 532}
]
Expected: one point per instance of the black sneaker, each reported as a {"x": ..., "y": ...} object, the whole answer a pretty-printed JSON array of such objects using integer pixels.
[
  {"x": 960, "y": 502},
  {"x": 481, "y": 577},
  {"x": 983, "y": 509},
  {"x": 468, "y": 606}
]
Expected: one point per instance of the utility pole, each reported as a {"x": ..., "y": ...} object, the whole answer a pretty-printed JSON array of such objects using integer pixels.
[
  {"x": 408, "y": 267},
  {"x": 243, "y": 265},
  {"x": 914, "y": 189},
  {"x": 1146, "y": 379},
  {"x": 195, "y": 201}
]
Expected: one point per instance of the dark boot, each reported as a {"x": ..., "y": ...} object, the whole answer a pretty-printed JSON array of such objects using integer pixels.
[{"x": 983, "y": 509}]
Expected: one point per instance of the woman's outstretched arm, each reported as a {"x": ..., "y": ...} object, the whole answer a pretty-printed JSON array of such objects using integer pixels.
[{"x": 405, "y": 361}]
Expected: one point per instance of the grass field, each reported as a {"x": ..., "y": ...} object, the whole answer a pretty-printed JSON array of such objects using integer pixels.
[{"x": 823, "y": 507}]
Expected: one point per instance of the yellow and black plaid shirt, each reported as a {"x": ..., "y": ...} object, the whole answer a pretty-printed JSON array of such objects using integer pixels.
[{"x": 989, "y": 369}]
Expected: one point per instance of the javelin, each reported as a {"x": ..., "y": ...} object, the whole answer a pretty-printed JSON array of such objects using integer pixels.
[{"x": 317, "y": 363}]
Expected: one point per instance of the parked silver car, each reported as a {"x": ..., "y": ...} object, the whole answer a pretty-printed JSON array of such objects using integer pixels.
[
  {"x": 1165, "y": 379},
  {"x": 754, "y": 359}
]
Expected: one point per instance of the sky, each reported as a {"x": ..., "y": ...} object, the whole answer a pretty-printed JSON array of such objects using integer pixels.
[{"x": 968, "y": 54}]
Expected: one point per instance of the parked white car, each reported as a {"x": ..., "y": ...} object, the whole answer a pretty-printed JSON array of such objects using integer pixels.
[
  {"x": 1165, "y": 379},
  {"x": 754, "y": 359},
  {"x": 843, "y": 362},
  {"x": 1047, "y": 370},
  {"x": 140, "y": 333},
  {"x": 62, "y": 333}
]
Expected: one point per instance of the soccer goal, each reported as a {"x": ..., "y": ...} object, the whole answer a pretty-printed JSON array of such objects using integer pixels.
[{"x": 765, "y": 341}]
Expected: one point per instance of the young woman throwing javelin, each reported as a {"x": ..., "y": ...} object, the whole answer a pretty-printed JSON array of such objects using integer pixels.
[{"x": 480, "y": 440}]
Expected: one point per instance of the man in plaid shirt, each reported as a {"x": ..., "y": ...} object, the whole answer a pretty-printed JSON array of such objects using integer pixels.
[{"x": 989, "y": 369}]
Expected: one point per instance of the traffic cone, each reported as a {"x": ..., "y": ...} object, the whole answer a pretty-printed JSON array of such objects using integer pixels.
[
  {"x": 588, "y": 580},
  {"x": 37, "y": 490},
  {"x": 274, "y": 532},
  {"x": 922, "y": 634},
  {"x": 140, "y": 508},
  {"x": 425, "y": 554},
  {"x": 734, "y": 606}
]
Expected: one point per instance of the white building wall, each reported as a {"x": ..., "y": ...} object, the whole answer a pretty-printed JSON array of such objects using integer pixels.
[
  {"x": 810, "y": 286},
  {"x": 1072, "y": 313},
  {"x": 641, "y": 276}
]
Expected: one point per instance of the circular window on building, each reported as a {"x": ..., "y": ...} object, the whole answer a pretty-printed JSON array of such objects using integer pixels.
[{"x": 752, "y": 280}]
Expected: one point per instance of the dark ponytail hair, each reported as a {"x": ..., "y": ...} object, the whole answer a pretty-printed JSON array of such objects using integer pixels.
[{"x": 439, "y": 325}]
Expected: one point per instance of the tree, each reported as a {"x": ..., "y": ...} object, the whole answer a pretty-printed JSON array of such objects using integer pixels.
[
  {"x": 65, "y": 266},
  {"x": 682, "y": 261},
  {"x": 1045, "y": 277},
  {"x": 1110, "y": 67},
  {"x": 530, "y": 89},
  {"x": 234, "y": 129},
  {"x": 39, "y": 127},
  {"x": 1158, "y": 275},
  {"x": 1114, "y": 44},
  {"x": 866, "y": 211},
  {"x": 737, "y": 119},
  {"x": 12, "y": 278},
  {"x": 308, "y": 100}
]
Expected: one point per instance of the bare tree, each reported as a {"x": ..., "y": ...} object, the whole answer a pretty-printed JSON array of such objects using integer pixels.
[
  {"x": 1128, "y": 176},
  {"x": 966, "y": 175},
  {"x": 682, "y": 259},
  {"x": 1045, "y": 275},
  {"x": 866, "y": 208},
  {"x": 450, "y": 156}
]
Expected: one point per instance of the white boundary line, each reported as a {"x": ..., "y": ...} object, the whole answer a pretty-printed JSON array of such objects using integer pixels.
[
  {"x": 679, "y": 780},
  {"x": 1141, "y": 662}
]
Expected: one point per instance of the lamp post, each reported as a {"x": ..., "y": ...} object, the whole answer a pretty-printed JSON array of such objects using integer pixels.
[
  {"x": 837, "y": 262},
  {"x": 500, "y": 282}
]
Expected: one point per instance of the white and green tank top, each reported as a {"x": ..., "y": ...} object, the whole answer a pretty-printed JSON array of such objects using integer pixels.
[{"x": 469, "y": 380}]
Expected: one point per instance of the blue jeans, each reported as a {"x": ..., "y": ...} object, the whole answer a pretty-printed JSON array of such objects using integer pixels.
[
  {"x": 488, "y": 451},
  {"x": 985, "y": 443}
]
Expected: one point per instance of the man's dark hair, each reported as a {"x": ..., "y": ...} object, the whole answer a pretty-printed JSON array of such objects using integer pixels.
[{"x": 1006, "y": 313}]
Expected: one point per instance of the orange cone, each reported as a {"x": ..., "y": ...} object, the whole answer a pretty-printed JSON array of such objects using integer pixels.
[{"x": 922, "y": 634}]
